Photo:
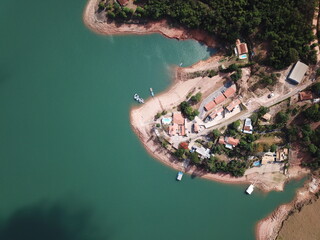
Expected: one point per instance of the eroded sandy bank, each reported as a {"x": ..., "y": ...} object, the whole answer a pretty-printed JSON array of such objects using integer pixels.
[{"x": 269, "y": 227}]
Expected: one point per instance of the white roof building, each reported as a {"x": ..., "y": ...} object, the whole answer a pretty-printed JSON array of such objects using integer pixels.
[
  {"x": 250, "y": 189},
  {"x": 203, "y": 152},
  {"x": 297, "y": 73},
  {"x": 247, "y": 127}
]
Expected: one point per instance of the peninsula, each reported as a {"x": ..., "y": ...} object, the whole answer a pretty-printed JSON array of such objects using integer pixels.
[{"x": 239, "y": 116}]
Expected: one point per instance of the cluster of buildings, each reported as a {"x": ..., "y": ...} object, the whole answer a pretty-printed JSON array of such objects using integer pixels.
[
  {"x": 231, "y": 142},
  {"x": 178, "y": 126},
  {"x": 229, "y": 92}
]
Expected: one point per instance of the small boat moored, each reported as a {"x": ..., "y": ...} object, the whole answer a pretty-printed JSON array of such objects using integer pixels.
[
  {"x": 179, "y": 176},
  {"x": 138, "y": 98},
  {"x": 250, "y": 189},
  {"x": 151, "y": 91}
]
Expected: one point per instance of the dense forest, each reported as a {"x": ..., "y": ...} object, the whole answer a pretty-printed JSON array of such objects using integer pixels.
[{"x": 284, "y": 26}]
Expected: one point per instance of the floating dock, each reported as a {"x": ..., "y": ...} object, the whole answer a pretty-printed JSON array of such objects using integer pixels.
[
  {"x": 179, "y": 176},
  {"x": 250, "y": 189}
]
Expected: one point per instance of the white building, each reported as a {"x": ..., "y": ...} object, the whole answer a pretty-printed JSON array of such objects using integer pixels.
[
  {"x": 203, "y": 152},
  {"x": 247, "y": 127},
  {"x": 297, "y": 73}
]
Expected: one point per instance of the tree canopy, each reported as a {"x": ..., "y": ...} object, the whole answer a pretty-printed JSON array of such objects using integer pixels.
[{"x": 286, "y": 25}]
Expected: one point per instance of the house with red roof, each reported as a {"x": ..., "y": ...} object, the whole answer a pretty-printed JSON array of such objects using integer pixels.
[
  {"x": 230, "y": 91},
  {"x": 178, "y": 118},
  {"x": 216, "y": 113},
  {"x": 242, "y": 48},
  {"x": 233, "y": 104},
  {"x": 306, "y": 95},
  {"x": 178, "y": 125},
  {"x": 123, "y": 2},
  {"x": 229, "y": 142},
  {"x": 210, "y": 105},
  {"x": 219, "y": 99}
]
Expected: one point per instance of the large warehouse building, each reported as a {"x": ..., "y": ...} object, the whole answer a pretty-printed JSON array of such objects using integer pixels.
[{"x": 297, "y": 73}]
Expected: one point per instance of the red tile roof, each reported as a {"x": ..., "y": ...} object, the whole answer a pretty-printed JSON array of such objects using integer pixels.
[
  {"x": 196, "y": 127},
  {"x": 305, "y": 95},
  {"x": 230, "y": 91},
  {"x": 123, "y": 2},
  {"x": 243, "y": 48},
  {"x": 182, "y": 130},
  {"x": 221, "y": 140},
  {"x": 209, "y": 105},
  {"x": 178, "y": 118},
  {"x": 219, "y": 99},
  {"x": 233, "y": 104},
  {"x": 173, "y": 129},
  {"x": 216, "y": 112},
  {"x": 232, "y": 141}
]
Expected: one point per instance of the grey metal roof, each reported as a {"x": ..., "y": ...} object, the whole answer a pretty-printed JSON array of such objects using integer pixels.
[{"x": 298, "y": 72}]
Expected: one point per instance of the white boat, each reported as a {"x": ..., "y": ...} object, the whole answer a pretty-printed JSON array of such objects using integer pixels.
[
  {"x": 136, "y": 96},
  {"x": 151, "y": 91},
  {"x": 179, "y": 176},
  {"x": 250, "y": 189},
  {"x": 180, "y": 64},
  {"x": 141, "y": 100}
]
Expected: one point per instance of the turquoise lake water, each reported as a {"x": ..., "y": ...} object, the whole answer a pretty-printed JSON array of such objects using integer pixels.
[{"x": 70, "y": 166}]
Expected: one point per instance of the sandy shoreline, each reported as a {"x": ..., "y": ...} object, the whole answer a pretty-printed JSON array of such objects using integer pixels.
[
  {"x": 141, "y": 117},
  {"x": 161, "y": 27}
]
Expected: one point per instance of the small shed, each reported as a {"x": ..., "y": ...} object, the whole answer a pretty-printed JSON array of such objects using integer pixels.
[{"x": 267, "y": 117}]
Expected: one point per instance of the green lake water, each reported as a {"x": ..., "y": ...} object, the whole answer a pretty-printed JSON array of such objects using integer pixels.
[{"x": 70, "y": 166}]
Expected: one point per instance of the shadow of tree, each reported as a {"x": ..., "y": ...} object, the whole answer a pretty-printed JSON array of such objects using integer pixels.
[{"x": 50, "y": 222}]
